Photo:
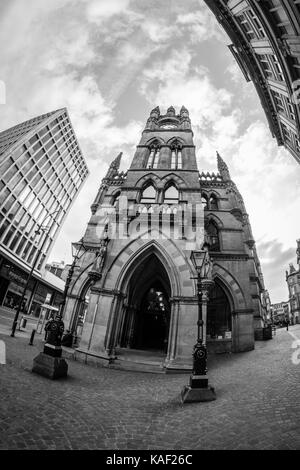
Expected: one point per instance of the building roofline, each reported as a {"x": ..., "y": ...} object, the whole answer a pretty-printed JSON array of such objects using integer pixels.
[{"x": 36, "y": 275}]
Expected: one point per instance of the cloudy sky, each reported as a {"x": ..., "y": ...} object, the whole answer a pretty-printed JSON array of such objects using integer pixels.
[{"x": 111, "y": 62}]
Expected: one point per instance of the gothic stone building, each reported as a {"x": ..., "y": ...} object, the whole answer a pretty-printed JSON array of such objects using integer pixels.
[
  {"x": 293, "y": 284},
  {"x": 136, "y": 300}
]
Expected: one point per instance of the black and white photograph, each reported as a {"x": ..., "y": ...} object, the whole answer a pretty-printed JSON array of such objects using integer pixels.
[{"x": 149, "y": 228}]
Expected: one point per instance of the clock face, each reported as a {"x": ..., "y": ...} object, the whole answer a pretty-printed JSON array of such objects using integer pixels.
[{"x": 169, "y": 126}]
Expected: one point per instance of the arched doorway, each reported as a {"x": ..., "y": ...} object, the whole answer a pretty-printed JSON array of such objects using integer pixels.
[
  {"x": 219, "y": 321},
  {"x": 79, "y": 317},
  {"x": 147, "y": 313}
]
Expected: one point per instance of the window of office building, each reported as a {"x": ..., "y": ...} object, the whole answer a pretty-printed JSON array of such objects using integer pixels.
[
  {"x": 277, "y": 68},
  {"x": 279, "y": 101},
  {"x": 297, "y": 5},
  {"x": 288, "y": 134},
  {"x": 278, "y": 16},
  {"x": 251, "y": 25},
  {"x": 290, "y": 109},
  {"x": 270, "y": 66}
]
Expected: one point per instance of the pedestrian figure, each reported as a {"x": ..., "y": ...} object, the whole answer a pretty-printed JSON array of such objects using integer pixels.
[
  {"x": 287, "y": 324},
  {"x": 67, "y": 339},
  {"x": 47, "y": 326}
]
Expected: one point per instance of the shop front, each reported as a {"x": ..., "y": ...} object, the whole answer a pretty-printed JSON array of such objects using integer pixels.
[{"x": 38, "y": 292}]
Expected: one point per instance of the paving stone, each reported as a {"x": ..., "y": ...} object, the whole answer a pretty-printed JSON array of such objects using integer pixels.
[{"x": 257, "y": 406}]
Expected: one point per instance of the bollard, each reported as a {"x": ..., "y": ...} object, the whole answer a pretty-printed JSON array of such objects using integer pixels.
[{"x": 32, "y": 338}]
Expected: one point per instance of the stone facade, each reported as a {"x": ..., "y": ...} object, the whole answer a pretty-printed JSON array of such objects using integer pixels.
[
  {"x": 140, "y": 281},
  {"x": 293, "y": 284},
  {"x": 281, "y": 313},
  {"x": 265, "y": 39}
]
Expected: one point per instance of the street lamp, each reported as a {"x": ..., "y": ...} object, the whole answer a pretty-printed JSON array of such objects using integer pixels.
[
  {"x": 78, "y": 250},
  {"x": 37, "y": 232},
  {"x": 50, "y": 362},
  {"x": 95, "y": 274},
  {"x": 198, "y": 389}
]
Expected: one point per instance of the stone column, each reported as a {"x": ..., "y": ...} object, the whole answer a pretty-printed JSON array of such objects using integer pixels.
[
  {"x": 173, "y": 327},
  {"x": 164, "y": 157}
]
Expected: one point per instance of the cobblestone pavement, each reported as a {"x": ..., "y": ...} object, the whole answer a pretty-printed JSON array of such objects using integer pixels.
[{"x": 257, "y": 406}]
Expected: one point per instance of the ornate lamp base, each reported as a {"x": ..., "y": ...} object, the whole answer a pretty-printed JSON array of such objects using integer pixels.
[
  {"x": 198, "y": 390},
  {"x": 49, "y": 363},
  {"x": 189, "y": 394},
  {"x": 49, "y": 366}
]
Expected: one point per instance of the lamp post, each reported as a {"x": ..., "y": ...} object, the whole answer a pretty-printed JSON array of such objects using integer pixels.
[
  {"x": 95, "y": 274},
  {"x": 78, "y": 250},
  {"x": 50, "y": 362},
  {"x": 198, "y": 389},
  {"x": 37, "y": 232}
]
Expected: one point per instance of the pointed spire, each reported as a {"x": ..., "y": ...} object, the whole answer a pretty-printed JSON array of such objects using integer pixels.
[
  {"x": 116, "y": 163},
  {"x": 155, "y": 112},
  {"x": 292, "y": 268},
  {"x": 298, "y": 252},
  {"x": 114, "y": 166},
  {"x": 184, "y": 111},
  {"x": 171, "y": 111},
  {"x": 223, "y": 168}
]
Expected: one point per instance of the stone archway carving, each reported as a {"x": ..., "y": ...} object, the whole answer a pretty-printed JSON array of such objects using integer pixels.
[
  {"x": 232, "y": 285},
  {"x": 179, "y": 268}
]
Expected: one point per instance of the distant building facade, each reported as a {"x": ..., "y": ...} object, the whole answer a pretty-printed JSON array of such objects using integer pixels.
[
  {"x": 56, "y": 268},
  {"x": 138, "y": 293},
  {"x": 41, "y": 171},
  {"x": 265, "y": 39},
  {"x": 293, "y": 284},
  {"x": 281, "y": 313}
]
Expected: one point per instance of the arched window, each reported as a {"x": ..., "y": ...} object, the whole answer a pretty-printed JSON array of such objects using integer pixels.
[
  {"x": 153, "y": 158},
  {"x": 204, "y": 202},
  {"x": 156, "y": 158},
  {"x": 171, "y": 195},
  {"x": 148, "y": 195},
  {"x": 212, "y": 235},
  {"x": 213, "y": 203},
  {"x": 219, "y": 322},
  {"x": 176, "y": 156},
  {"x": 116, "y": 199}
]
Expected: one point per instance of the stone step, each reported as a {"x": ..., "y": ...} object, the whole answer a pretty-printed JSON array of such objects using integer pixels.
[
  {"x": 137, "y": 367},
  {"x": 138, "y": 362}
]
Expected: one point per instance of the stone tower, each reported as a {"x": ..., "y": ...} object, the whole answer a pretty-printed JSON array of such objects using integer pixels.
[{"x": 133, "y": 295}]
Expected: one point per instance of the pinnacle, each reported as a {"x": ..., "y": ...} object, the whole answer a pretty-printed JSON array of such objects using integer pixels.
[
  {"x": 222, "y": 167},
  {"x": 117, "y": 161}
]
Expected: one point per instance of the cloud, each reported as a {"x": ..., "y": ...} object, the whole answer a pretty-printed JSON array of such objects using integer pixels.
[
  {"x": 158, "y": 30},
  {"x": 201, "y": 25},
  {"x": 106, "y": 61},
  {"x": 269, "y": 181},
  {"x": 100, "y": 10},
  {"x": 176, "y": 81},
  {"x": 275, "y": 260},
  {"x": 259, "y": 167}
]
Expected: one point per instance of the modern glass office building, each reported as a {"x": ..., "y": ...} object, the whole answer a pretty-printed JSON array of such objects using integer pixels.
[{"x": 41, "y": 171}]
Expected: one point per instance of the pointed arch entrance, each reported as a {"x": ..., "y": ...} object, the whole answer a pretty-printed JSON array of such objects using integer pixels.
[
  {"x": 219, "y": 319},
  {"x": 80, "y": 313},
  {"x": 147, "y": 314}
]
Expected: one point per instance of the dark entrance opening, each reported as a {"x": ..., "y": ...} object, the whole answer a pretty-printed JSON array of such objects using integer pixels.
[
  {"x": 80, "y": 315},
  {"x": 151, "y": 331},
  {"x": 147, "y": 315},
  {"x": 218, "y": 314}
]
